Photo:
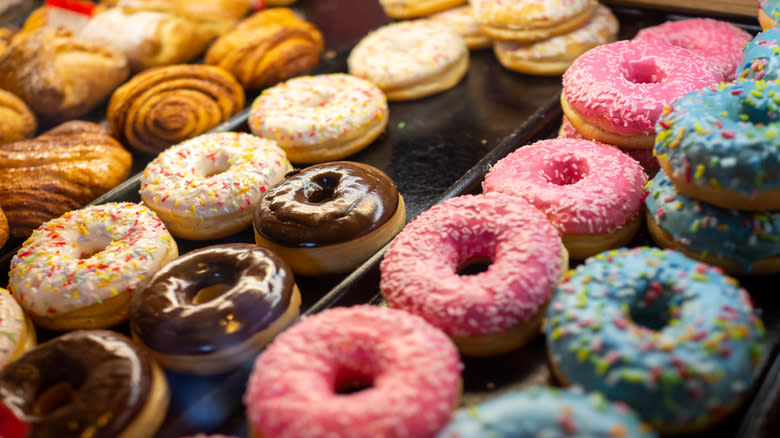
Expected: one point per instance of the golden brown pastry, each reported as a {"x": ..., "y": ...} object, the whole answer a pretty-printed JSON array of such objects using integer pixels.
[
  {"x": 58, "y": 76},
  {"x": 268, "y": 47},
  {"x": 36, "y": 20},
  {"x": 17, "y": 122},
  {"x": 166, "y": 105},
  {"x": 61, "y": 170},
  {"x": 4, "y": 231},
  {"x": 6, "y": 33},
  {"x": 215, "y": 16}
]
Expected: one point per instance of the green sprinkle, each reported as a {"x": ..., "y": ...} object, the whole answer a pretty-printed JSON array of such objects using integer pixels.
[
  {"x": 696, "y": 226},
  {"x": 634, "y": 376},
  {"x": 401, "y": 125},
  {"x": 767, "y": 237},
  {"x": 582, "y": 354},
  {"x": 700, "y": 277}
]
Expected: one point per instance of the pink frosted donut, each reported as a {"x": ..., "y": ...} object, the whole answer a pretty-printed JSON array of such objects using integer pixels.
[
  {"x": 719, "y": 42},
  {"x": 590, "y": 191},
  {"x": 614, "y": 93},
  {"x": 488, "y": 312},
  {"x": 300, "y": 386}
]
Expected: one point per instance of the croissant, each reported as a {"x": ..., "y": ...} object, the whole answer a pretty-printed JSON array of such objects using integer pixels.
[
  {"x": 61, "y": 170},
  {"x": 267, "y": 48},
  {"x": 166, "y": 105},
  {"x": 17, "y": 122},
  {"x": 58, "y": 76}
]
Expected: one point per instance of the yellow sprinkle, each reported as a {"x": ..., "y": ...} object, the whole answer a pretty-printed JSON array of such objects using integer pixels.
[
  {"x": 84, "y": 230},
  {"x": 715, "y": 184},
  {"x": 76, "y": 294},
  {"x": 699, "y": 171},
  {"x": 661, "y": 136}
]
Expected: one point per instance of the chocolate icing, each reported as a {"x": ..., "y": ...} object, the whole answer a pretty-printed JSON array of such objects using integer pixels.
[
  {"x": 326, "y": 203},
  {"x": 110, "y": 376},
  {"x": 165, "y": 318}
]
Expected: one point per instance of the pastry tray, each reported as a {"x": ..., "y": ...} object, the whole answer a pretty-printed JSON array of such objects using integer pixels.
[{"x": 433, "y": 148}]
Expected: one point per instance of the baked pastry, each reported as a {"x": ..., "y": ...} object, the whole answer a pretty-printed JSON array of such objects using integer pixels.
[
  {"x": 60, "y": 77},
  {"x": 214, "y": 16},
  {"x": 6, "y": 33},
  {"x": 268, "y": 47},
  {"x": 4, "y": 230},
  {"x": 58, "y": 171},
  {"x": 17, "y": 122},
  {"x": 166, "y": 105}
]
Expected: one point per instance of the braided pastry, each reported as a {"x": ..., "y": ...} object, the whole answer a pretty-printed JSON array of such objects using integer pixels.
[
  {"x": 17, "y": 122},
  {"x": 61, "y": 170},
  {"x": 166, "y": 105},
  {"x": 268, "y": 47}
]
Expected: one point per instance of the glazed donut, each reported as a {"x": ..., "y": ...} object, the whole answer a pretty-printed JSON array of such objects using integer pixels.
[
  {"x": 403, "y": 9},
  {"x": 320, "y": 118},
  {"x": 719, "y": 42},
  {"x": 719, "y": 145},
  {"x": 213, "y": 308},
  {"x": 17, "y": 333},
  {"x": 761, "y": 57},
  {"x": 768, "y": 13},
  {"x": 461, "y": 21},
  {"x": 540, "y": 411},
  {"x": 615, "y": 92},
  {"x": 526, "y": 20},
  {"x": 79, "y": 270},
  {"x": 410, "y": 59},
  {"x": 673, "y": 338},
  {"x": 329, "y": 217},
  {"x": 86, "y": 383},
  {"x": 740, "y": 242},
  {"x": 207, "y": 187},
  {"x": 592, "y": 193},
  {"x": 300, "y": 385},
  {"x": 425, "y": 270},
  {"x": 554, "y": 55}
]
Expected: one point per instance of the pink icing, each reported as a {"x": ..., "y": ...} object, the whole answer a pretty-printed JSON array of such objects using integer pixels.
[
  {"x": 583, "y": 187},
  {"x": 419, "y": 272},
  {"x": 412, "y": 368},
  {"x": 623, "y": 86},
  {"x": 720, "y": 42}
]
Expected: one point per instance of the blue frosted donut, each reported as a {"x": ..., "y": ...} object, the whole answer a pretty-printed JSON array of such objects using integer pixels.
[
  {"x": 671, "y": 337},
  {"x": 546, "y": 412},
  {"x": 720, "y": 145},
  {"x": 761, "y": 57},
  {"x": 732, "y": 239},
  {"x": 768, "y": 13}
]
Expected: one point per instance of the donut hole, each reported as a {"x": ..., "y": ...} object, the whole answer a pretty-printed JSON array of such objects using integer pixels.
[
  {"x": 652, "y": 308},
  {"x": 211, "y": 168},
  {"x": 92, "y": 247},
  {"x": 321, "y": 188},
  {"x": 643, "y": 71},
  {"x": 210, "y": 293},
  {"x": 474, "y": 266},
  {"x": 351, "y": 382},
  {"x": 53, "y": 398},
  {"x": 564, "y": 170}
]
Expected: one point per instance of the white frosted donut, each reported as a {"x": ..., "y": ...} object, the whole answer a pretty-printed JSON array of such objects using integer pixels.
[
  {"x": 207, "y": 187},
  {"x": 530, "y": 20},
  {"x": 17, "y": 333},
  {"x": 410, "y": 59},
  {"x": 80, "y": 269},
  {"x": 461, "y": 21},
  {"x": 320, "y": 118}
]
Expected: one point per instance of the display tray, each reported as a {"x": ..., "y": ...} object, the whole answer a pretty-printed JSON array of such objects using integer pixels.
[{"x": 433, "y": 148}]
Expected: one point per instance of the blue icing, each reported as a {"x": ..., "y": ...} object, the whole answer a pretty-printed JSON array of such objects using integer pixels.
[
  {"x": 548, "y": 413},
  {"x": 701, "y": 227},
  {"x": 725, "y": 136},
  {"x": 761, "y": 57},
  {"x": 673, "y": 338},
  {"x": 771, "y": 7}
]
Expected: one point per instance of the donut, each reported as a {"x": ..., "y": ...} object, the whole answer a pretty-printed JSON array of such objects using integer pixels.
[
  {"x": 461, "y": 21},
  {"x": 363, "y": 371},
  {"x": 329, "y": 217},
  {"x": 768, "y": 13},
  {"x": 719, "y": 145},
  {"x": 740, "y": 242},
  {"x": 614, "y": 93},
  {"x": 213, "y": 308},
  {"x": 86, "y": 383},
  {"x": 530, "y": 20},
  {"x": 207, "y": 187},
  {"x": 320, "y": 118},
  {"x": 78, "y": 271},
  {"x": 554, "y": 55},
  {"x": 540, "y": 411},
  {"x": 719, "y": 42},
  {"x": 592, "y": 193},
  {"x": 761, "y": 57},
  {"x": 17, "y": 333},
  {"x": 426, "y": 270},
  {"x": 410, "y": 59},
  {"x": 404, "y": 9},
  {"x": 671, "y": 337}
]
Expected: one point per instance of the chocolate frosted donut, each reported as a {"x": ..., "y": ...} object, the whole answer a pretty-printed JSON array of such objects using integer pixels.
[
  {"x": 321, "y": 207},
  {"x": 86, "y": 383},
  {"x": 209, "y": 310}
]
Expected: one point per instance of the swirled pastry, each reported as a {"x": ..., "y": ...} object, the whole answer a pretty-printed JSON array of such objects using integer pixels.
[
  {"x": 60, "y": 77},
  {"x": 58, "y": 171},
  {"x": 268, "y": 47},
  {"x": 17, "y": 122},
  {"x": 166, "y": 105}
]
